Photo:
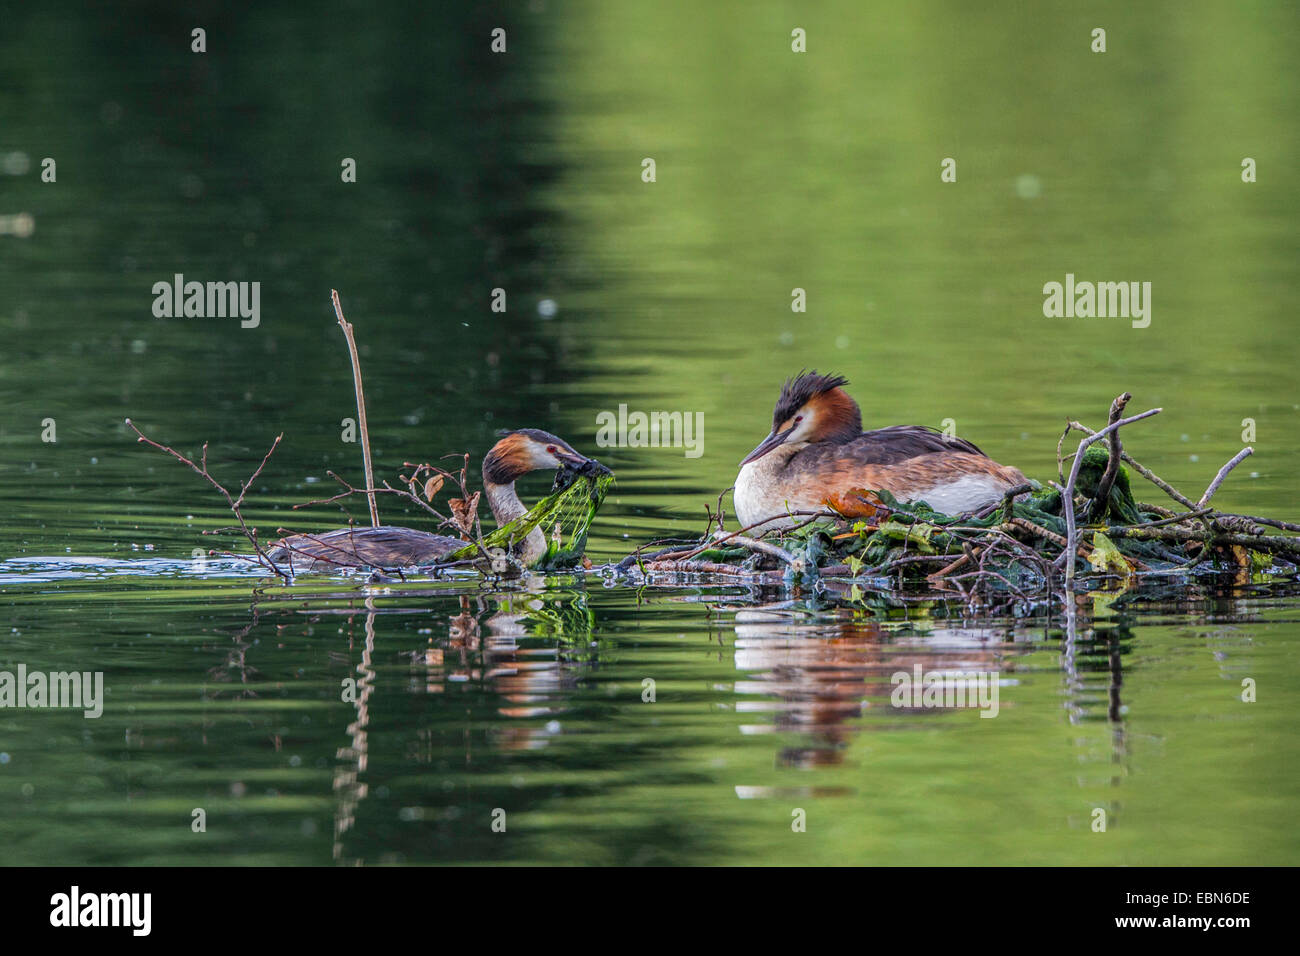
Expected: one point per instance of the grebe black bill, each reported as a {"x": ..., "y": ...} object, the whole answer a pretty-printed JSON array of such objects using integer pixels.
[
  {"x": 818, "y": 452},
  {"x": 515, "y": 455}
]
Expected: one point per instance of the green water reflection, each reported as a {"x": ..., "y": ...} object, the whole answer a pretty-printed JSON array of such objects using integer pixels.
[{"x": 531, "y": 708}]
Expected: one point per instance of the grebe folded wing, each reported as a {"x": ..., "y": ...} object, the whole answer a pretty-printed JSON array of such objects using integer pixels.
[
  {"x": 895, "y": 443},
  {"x": 911, "y": 463},
  {"x": 382, "y": 547}
]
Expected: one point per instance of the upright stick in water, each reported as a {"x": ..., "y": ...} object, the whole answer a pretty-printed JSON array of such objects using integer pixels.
[{"x": 361, "y": 409}]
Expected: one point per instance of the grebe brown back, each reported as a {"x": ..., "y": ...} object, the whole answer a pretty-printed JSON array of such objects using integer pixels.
[
  {"x": 515, "y": 455},
  {"x": 817, "y": 451}
]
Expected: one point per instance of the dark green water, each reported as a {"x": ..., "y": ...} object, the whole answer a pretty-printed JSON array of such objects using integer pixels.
[{"x": 522, "y": 171}]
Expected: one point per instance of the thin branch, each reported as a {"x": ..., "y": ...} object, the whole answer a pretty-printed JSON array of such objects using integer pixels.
[
  {"x": 1067, "y": 493},
  {"x": 361, "y": 408},
  {"x": 1270, "y": 542},
  {"x": 1237, "y": 459},
  {"x": 1271, "y": 522},
  {"x": 753, "y": 544},
  {"x": 1101, "y": 500},
  {"x": 1141, "y": 469},
  {"x": 235, "y": 504}
]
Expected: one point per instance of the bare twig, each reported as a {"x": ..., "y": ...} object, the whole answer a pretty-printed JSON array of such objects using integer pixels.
[
  {"x": 1271, "y": 522},
  {"x": 1237, "y": 459},
  {"x": 1067, "y": 493},
  {"x": 753, "y": 544},
  {"x": 943, "y": 572},
  {"x": 1268, "y": 542},
  {"x": 1141, "y": 469},
  {"x": 1101, "y": 499},
  {"x": 713, "y": 567},
  {"x": 361, "y": 408},
  {"x": 263, "y": 558}
]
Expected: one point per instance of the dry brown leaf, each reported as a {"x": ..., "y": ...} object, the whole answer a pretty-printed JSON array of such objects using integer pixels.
[
  {"x": 463, "y": 511},
  {"x": 432, "y": 487}
]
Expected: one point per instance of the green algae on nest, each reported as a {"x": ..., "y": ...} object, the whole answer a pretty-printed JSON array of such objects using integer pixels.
[{"x": 1120, "y": 506}]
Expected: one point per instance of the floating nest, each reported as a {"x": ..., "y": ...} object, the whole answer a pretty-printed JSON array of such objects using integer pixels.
[{"x": 1017, "y": 548}]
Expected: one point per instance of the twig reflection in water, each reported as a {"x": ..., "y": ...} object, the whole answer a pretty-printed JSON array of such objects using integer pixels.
[
  {"x": 235, "y": 664},
  {"x": 530, "y": 682},
  {"x": 352, "y": 758},
  {"x": 1081, "y": 693}
]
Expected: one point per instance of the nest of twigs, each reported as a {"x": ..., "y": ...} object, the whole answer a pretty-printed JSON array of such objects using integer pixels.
[{"x": 1086, "y": 528}]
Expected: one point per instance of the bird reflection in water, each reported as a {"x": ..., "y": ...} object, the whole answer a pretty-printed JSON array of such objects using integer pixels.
[
  {"x": 816, "y": 678},
  {"x": 483, "y": 646},
  {"x": 496, "y": 649}
]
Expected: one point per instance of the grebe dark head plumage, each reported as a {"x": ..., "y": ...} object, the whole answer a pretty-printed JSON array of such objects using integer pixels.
[
  {"x": 522, "y": 450},
  {"x": 811, "y": 407}
]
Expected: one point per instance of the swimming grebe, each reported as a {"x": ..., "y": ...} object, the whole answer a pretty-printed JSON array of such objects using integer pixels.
[
  {"x": 515, "y": 455},
  {"x": 817, "y": 450}
]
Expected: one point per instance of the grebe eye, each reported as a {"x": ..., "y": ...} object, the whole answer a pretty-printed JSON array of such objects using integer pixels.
[
  {"x": 551, "y": 449},
  {"x": 798, "y": 419}
]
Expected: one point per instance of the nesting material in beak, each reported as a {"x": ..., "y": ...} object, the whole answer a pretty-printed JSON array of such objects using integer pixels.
[{"x": 573, "y": 468}]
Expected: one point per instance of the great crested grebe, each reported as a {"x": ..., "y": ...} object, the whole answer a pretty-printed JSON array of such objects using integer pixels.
[
  {"x": 515, "y": 455},
  {"x": 818, "y": 450}
]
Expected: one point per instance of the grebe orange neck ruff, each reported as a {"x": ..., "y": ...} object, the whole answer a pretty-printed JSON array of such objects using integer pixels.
[{"x": 817, "y": 451}]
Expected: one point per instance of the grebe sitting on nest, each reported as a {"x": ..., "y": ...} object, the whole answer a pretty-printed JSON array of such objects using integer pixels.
[
  {"x": 515, "y": 455},
  {"x": 817, "y": 451}
]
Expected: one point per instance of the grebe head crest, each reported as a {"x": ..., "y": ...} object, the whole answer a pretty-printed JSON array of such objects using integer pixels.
[
  {"x": 528, "y": 449},
  {"x": 811, "y": 407}
]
